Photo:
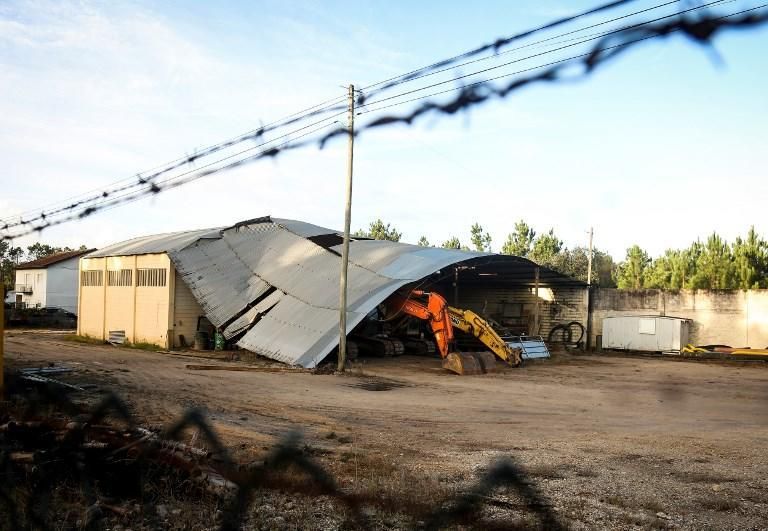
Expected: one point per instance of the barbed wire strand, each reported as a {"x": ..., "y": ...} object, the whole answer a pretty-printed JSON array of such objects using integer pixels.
[
  {"x": 701, "y": 31},
  {"x": 540, "y": 54},
  {"x": 140, "y": 180},
  {"x": 170, "y": 183},
  {"x": 496, "y": 55},
  {"x": 495, "y": 46},
  {"x": 323, "y": 105},
  {"x": 69, "y": 458},
  {"x": 181, "y": 162},
  {"x": 81, "y": 199}
]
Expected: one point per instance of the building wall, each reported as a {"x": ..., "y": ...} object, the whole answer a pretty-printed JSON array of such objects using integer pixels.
[
  {"x": 153, "y": 304},
  {"x": 143, "y": 312},
  {"x": 186, "y": 312},
  {"x": 90, "y": 303},
  {"x": 37, "y": 278},
  {"x": 727, "y": 317},
  {"x": 61, "y": 285},
  {"x": 558, "y": 305}
]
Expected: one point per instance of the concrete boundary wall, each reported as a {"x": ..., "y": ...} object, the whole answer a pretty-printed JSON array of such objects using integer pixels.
[{"x": 728, "y": 317}]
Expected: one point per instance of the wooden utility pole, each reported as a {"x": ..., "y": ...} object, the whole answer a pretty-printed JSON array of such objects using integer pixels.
[
  {"x": 345, "y": 245},
  {"x": 537, "y": 307},
  {"x": 2, "y": 342},
  {"x": 589, "y": 260},
  {"x": 589, "y": 291}
]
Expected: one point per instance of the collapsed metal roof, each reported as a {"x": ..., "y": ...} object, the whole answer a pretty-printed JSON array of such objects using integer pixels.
[
  {"x": 273, "y": 284},
  {"x": 157, "y": 243},
  {"x": 276, "y": 282}
]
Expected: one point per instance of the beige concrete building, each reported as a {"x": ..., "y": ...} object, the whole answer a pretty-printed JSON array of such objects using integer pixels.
[{"x": 133, "y": 288}]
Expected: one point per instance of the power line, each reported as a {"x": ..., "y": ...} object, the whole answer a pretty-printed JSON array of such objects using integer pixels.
[
  {"x": 141, "y": 178},
  {"x": 175, "y": 181},
  {"x": 496, "y": 45},
  {"x": 415, "y": 76},
  {"x": 701, "y": 31},
  {"x": 539, "y": 54}
]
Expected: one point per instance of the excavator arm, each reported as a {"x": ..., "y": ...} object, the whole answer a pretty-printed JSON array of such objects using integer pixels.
[
  {"x": 442, "y": 319},
  {"x": 435, "y": 312},
  {"x": 469, "y": 322}
]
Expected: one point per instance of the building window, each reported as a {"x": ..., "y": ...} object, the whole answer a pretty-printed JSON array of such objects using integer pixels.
[
  {"x": 152, "y": 277},
  {"x": 91, "y": 277},
  {"x": 121, "y": 277}
]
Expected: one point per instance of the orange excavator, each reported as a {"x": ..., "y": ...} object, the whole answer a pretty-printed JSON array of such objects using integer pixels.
[{"x": 442, "y": 320}]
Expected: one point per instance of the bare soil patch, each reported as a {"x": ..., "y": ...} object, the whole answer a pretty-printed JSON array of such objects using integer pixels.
[{"x": 611, "y": 442}]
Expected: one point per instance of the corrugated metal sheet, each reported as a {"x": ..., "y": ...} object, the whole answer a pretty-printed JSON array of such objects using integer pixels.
[
  {"x": 228, "y": 275},
  {"x": 300, "y": 228},
  {"x": 242, "y": 322},
  {"x": 158, "y": 243},
  {"x": 275, "y": 282},
  {"x": 220, "y": 281},
  {"x": 297, "y": 333},
  {"x": 533, "y": 347}
]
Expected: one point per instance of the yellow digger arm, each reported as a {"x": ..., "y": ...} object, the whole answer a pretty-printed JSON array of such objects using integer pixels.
[{"x": 471, "y": 323}]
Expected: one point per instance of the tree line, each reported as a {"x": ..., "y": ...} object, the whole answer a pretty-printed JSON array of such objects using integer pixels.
[
  {"x": 11, "y": 257},
  {"x": 712, "y": 264}
]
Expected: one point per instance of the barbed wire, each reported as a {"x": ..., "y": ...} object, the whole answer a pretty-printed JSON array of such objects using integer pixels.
[
  {"x": 98, "y": 192},
  {"x": 494, "y": 46},
  {"x": 496, "y": 55},
  {"x": 700, "y": 30},
  {"x": 580, "y": 40},
  {"x": 82, "y": 446},
  {"x": 141, "y": 180},
  {"x": 152, "y": 188},
  {"x": 83, "y": 200}
]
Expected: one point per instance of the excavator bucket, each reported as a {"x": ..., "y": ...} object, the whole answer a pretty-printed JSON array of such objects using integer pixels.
[{"x": 469, "y": 363}]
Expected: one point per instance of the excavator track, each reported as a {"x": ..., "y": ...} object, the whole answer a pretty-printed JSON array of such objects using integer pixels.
[
  {"x": 383, "y": 347},
  {"x": 420, "y": 347}
]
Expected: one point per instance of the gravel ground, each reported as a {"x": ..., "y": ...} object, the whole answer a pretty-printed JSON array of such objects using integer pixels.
[{"x": 610, "y": 442}]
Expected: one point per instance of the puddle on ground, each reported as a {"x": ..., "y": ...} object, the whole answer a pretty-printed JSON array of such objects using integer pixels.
[{"x": 377, "y": 384}]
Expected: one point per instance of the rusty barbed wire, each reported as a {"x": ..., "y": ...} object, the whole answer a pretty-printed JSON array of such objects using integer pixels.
[
  {"x": 560, "y": 46},
  {"x": 701, "y": 31},
  {"x": 150, "y": 180},
  {"x": 495, "y": 47},
  {"x": 327, "y": 106},
  {"x": 152, "y": 188},
  {"x": 611, "y": 44},
  {"x": 80, "y": 448}
]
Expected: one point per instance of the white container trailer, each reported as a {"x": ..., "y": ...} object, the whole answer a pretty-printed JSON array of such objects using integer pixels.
[{"x": 646, "y": 333}]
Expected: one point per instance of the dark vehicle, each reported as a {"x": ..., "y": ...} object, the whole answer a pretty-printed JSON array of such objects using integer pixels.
[{"x": 40, "y": 317}]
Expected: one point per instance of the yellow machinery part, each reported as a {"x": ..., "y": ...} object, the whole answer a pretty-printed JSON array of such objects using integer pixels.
[
  {"x": 469, "y": 363},
  {"x": 757, "y": 352},
  {"x": 469, "y": 322}
]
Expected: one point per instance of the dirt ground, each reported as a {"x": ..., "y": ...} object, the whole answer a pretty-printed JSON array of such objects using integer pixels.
[{"x": 612, "y": 442}]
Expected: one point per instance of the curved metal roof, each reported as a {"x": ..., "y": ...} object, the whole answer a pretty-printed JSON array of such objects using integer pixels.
[
  {"x": 157, "y": 243},
  {"x": 274, "y": 283},
  {"x": 286, "y": 262}
]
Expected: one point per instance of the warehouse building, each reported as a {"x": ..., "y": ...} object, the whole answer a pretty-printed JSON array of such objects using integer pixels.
[
  {"x": 270, "y": 286},
  {"x": 132, "y": 291}
]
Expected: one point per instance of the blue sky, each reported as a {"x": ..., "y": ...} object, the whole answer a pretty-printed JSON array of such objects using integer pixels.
[{"x": 663, "y": 145}]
